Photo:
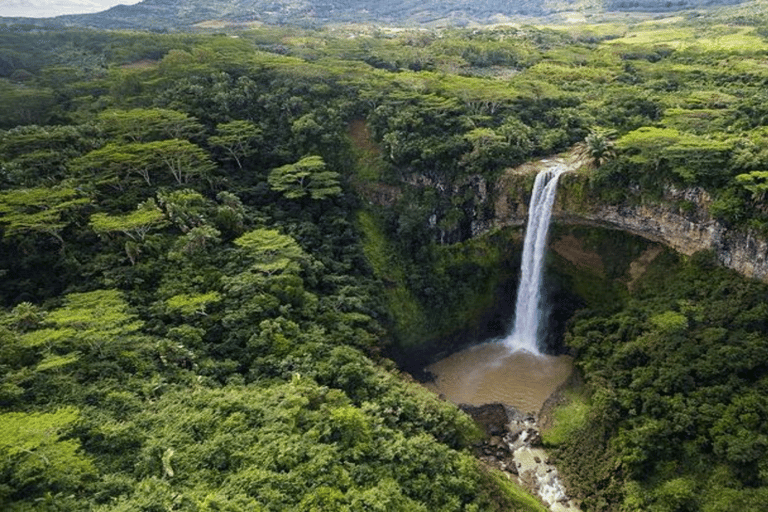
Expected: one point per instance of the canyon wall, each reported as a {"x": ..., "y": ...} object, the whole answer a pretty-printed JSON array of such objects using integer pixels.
[{"x": 680, "y": 219}]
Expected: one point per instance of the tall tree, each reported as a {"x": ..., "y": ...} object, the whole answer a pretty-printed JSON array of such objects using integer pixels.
[
  {"x": 135, "y": 224},
  {"x": 38, "y": 210},
  {"x": 147, "y": 124},
  {"x": 237, "y": 139},
  {"x": 307, "y": 177}
]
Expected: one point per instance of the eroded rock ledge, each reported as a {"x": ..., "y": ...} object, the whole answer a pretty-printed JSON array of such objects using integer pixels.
[{"x": 680, "y": 220}]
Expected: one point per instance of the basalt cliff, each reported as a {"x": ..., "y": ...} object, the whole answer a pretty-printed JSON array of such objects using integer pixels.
[{"x": 680, "y": 219}]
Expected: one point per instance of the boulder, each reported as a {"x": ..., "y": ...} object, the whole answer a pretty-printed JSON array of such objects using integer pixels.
[{"x": 491, "y": 417}]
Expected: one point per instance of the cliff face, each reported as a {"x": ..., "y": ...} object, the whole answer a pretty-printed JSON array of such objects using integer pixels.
[{"x": 687, "y": 229}]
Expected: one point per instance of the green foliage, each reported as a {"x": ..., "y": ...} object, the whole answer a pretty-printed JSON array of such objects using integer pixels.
[
  {"x": 135, "y": 225},
  {"x": 307, "y": 177},
  {"x": 35, "y": 155},
  {"x": 236, "y": 139},
  {"x": 38, "y": 210},
  {"x": 669, "y": 322},
  {"x": 568, "y": 420},
  {"x": 144, "y": 125},
  {"x": 756, "y": 183},
  {"x": 116, "y": 162},
  {"x": 192, "y": 304},
  {"x": 234, "y": 365},
  {"x": 22, "y": 104},
  {"x": 669, "y": 154},
  {"x": 729, "y": 206},
  {"x": 35, "y": 460},
  {"x": 270, "y": 251},
  {"x": 403, "y": 306},
  {"x": 682, "y": 391},
  {"x": 598, "y": 147}
]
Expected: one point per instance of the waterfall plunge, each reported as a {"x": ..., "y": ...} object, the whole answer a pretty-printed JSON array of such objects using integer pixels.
[{"x": 528, "y": 308}]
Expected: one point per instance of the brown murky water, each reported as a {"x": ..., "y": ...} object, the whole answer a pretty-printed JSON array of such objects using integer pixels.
[{"x": 490, "y": 373}]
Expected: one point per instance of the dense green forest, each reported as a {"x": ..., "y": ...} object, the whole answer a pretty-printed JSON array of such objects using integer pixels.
[{"x": 213, "y": 246}]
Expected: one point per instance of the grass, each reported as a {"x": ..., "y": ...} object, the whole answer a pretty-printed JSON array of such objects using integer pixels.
[
  {"x": 713, "y": 38},
  {"x": 569, "y": 419}
]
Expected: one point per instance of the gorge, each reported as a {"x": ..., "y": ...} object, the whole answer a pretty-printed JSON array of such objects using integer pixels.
[
  {"x": 242, "y": 337},
  {"x": 679, "y": 220},
  {"x": 512, "y": 375}
]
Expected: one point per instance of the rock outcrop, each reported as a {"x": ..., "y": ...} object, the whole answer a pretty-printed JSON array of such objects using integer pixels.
[
  {"x": 493, "y": 418},
  {"x": 679, "y": 220}
]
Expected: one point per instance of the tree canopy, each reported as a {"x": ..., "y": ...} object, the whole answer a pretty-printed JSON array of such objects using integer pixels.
[{"x": 211, "y": 245}]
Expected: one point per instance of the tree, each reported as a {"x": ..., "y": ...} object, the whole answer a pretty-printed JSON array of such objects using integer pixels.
[
  {"x": 487, "y": 146},
  {"x": 115, "y": 161},
  {"x": 99, "y": 314},
  {"x": 756, "y": 183},
  {"x": 24, "y": 104},
  {"x": 308, "y": 176},
  {"x": 199, "y": 238},
  {"x": 89, "y": 324},
  {"x": 33, "y": 457},
  {"x": 187, "y": 304},
  {"x": 236, "y": 139},
  {"x": 135, "y": 225},
  {"x": 597, "y": 148},
  {"x": 143, "y": 125},
  {"x": 271, "y": 251},
  {"x": 40, "y": 210},
  {"x": 37, "y": 155},
  {"x": 182, "y": 158},
  {"x": 185, "y": 208}
]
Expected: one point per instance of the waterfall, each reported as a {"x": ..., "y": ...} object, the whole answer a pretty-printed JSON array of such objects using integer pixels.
[{"x": 528, "y": 308}]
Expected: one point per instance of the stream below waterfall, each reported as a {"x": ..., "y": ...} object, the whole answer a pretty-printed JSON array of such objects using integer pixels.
[{"x": 490, "y": 373}]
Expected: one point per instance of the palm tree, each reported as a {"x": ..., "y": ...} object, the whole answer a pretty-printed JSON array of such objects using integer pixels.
[{"x": 597, "y": 147}]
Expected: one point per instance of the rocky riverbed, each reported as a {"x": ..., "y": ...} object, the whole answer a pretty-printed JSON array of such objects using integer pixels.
[{"x": 513, "y": 445}]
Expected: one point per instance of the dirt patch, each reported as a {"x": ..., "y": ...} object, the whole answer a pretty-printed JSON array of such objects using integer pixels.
[
  {"x": 369, "y": 167},
  {"x": 361, "y": 136},
  {"x": 572, "y": 249},
  {"x": 140, "y": 64},
  {"x": 638, "y": 267}
]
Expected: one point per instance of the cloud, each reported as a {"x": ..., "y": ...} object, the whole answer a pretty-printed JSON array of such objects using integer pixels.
[{"x": 50, "y": 8}]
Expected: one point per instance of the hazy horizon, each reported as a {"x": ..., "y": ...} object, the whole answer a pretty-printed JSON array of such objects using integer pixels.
[{"x": 52, "y": 8}]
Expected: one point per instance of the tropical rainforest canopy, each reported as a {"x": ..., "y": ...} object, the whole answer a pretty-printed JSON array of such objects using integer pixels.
[{"x": 213, "y": 245}]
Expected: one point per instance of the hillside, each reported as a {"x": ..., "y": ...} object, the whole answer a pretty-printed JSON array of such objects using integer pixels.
[{"x": 175, "y": 14}]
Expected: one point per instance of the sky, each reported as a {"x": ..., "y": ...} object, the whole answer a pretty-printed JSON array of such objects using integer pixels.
[{"x": 50, "y": 8}]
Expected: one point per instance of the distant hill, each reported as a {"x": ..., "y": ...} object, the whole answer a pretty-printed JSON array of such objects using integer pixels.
[{"x": 180, "y": 14}]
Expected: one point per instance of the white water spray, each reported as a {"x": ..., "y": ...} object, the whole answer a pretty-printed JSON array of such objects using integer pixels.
[{"x": 528, "y": 308}]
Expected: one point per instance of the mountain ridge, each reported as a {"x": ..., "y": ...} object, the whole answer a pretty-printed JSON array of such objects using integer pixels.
[{"x": 175, "y": 14}]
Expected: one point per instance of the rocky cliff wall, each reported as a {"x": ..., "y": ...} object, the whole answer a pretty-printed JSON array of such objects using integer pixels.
[{"x": 679, "y": 220}]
